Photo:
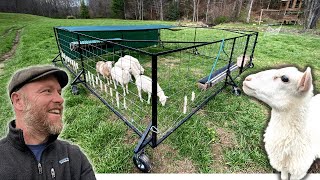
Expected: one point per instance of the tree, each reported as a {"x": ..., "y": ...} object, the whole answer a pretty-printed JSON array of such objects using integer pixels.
[
  {"x": 249, "y": 11},
  {"x": 207, "y": 11},
  {"x": 311, "y": 13},
  {"x": 161, "y": 9},
  {"x": 195, "y": 17},
  {"x": 173, "y": 11},
  {"x": 139, "y": 9},
  {"x": 118, "y": 9},
  {"x": 84, "y": 11}
]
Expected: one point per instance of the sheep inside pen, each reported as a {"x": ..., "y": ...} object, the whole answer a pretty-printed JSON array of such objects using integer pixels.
[{"x": 176, "y": 61}]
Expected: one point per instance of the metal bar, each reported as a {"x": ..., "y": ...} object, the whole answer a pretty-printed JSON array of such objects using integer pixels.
[
  {"x": 244, "y": 53},
  {"x": 195, "y": 35},
  {"x": 55, "y": 59},
  {"x": 142, "y": 139},
  {"x": 154, "y": 98},
  {"x": 77, "y": 79},
  {"x": 195, "y": 46},
  {"x": 57, "y": 42},
  {"x": 254, "y": 46},
  {"x": 230, "y": 60}
]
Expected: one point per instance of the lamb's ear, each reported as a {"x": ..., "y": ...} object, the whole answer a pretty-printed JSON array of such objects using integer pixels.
[{"x": 305, "y": 82}]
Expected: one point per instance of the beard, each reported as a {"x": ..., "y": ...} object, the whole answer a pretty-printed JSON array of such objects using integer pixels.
[{"x": 36, "y": 119}]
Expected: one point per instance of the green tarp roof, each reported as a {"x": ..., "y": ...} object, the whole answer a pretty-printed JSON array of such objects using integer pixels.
[{"x": 114, "y": 28}]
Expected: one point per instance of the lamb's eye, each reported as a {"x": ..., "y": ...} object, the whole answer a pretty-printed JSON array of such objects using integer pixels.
[{"x": 284, "y": 78}]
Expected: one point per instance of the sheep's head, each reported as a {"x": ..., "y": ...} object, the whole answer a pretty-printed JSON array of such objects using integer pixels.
[
  {"x": 109, "y": 64},
  {"x": 163, "y": 100},
  {"x": 279, "y": 88},
  {"x": 245, "y": 60},
  {"x": 141, "y": 70}
]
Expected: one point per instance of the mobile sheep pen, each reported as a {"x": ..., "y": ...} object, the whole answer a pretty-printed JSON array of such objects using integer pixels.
[{"x": 186, "y": 62}]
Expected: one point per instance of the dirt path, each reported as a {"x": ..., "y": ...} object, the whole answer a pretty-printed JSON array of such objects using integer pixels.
[{"x": 9, "y": 54}]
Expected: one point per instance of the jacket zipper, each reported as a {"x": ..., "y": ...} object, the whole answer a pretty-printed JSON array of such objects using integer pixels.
[
  {"x": 53, "y": 173},
  {"x": 40, "y": 168}
]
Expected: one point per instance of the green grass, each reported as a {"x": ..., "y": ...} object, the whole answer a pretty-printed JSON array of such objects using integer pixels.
[{"x": 107, "y": 140}]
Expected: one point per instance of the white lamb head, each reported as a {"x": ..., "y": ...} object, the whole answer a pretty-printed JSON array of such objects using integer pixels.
[
  {"x": 163, "y": 100},
  {"x": 280, "y": 88}
]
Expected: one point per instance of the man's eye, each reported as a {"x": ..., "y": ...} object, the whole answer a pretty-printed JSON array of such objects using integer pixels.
[
  {"x": 46, "y": 91},
  {"x": 284, "y": 78}
]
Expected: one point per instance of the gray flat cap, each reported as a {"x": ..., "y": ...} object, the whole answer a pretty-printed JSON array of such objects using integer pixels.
[{"x": 24, "y": 76}]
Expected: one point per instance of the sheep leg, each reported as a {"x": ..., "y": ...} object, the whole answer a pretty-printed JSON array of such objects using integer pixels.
[
  {"x": 114, "y": 83},
  {"x": 124, "y": 103},
  {"x": 124, "y": 90},
  {"x": 107, "y": 78},
  {"x": 139, "y": 93},
  {"x": 127, "y": 88}
]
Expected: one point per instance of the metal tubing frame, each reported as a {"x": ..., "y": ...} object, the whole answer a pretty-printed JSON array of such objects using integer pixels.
[
  {"x": 154, "y": 99},
  {"x": 144, "y": 138},
  {"x": 244, "y": 53},
  {"x": 254, "y": 46}
]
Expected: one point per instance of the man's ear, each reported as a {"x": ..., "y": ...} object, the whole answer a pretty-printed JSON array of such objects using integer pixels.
[
  {"x": 17, "y": 101},
  {"x": 305, "y": 82}
]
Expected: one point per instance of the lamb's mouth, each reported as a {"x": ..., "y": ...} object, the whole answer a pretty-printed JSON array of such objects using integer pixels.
[{"x": 245, "y": 85}]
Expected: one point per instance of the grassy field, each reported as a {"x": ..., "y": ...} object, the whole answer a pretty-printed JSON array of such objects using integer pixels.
[{"x": 223, "y": 137}]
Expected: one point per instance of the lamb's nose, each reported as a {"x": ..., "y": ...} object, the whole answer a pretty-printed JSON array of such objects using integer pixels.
[{"x": 248, "y": 78}]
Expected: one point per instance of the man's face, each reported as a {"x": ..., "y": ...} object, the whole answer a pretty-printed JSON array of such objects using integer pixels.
[{"x": 43, "y": 105}]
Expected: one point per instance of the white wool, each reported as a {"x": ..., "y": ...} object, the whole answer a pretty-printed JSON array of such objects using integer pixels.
[
  {"x": 131, "y": 64},
  {"x": 140, "y": 69},
  {"x": 292, "y": 138},
  {"x": 121, "y": 76},
  {"x": 240, "y": 59},
  {"x": 145, "y": 83},
  {"x": 104, "y": 68}
]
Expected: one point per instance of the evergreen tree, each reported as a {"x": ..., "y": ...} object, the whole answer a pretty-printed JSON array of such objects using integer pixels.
[
  {"x": 84, "y": 10},
  {"x": 173, "y": 12},
  {"x": 118, "y": 9}
]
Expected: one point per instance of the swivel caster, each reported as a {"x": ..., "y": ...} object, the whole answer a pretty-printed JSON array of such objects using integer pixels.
[
  {"x": 236, "y": 91},
  {"x": 75, "y": 90},
  {"x": 142, "y": 162}
]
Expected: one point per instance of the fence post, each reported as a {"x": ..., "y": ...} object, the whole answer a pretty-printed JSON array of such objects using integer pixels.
[{"x": 154, "y": 99}]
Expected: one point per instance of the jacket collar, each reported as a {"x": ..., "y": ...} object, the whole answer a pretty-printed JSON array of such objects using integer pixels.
[{"x": 15, "y": 137}]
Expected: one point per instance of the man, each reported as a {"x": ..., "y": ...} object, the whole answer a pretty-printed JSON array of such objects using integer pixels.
[{"x": 31, "y": 149}]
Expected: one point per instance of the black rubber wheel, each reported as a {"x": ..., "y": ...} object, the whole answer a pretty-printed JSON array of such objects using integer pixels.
[
  {"x": 236, "y": 91},
  {"x": 142, "y": 162},
  {"x": 251, "y": 65},
  {"x": 75, "y": 90}
]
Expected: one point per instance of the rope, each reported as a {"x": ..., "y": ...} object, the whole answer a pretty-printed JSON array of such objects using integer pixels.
[{"x": 215, "y": 62}]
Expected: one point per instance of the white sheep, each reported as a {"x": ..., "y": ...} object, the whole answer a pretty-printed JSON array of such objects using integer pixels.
[
  {"x": 245, "y": 60},
  {"x": 136, "y": 61},
  {"x": 121, "y": 76},
  {"x": 104, "y": 68},
  {"x": 131, "y": 64},
  {"x": 145, "y": 83},
  {"x": 292, "y": 138}
]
